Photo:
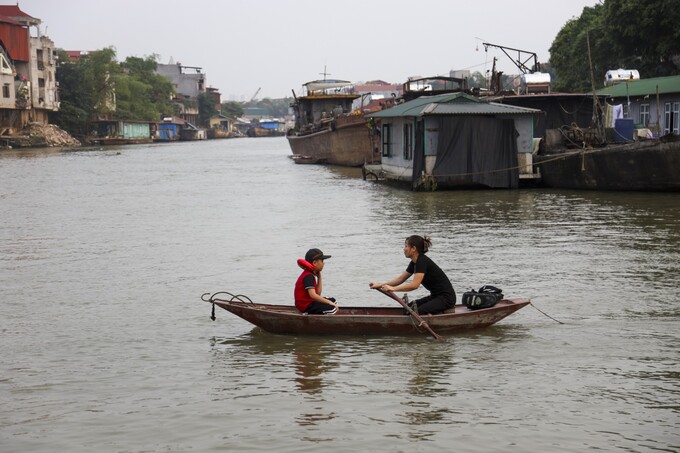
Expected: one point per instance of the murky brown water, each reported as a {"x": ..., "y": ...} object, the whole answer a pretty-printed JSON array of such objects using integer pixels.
[{"x": 106, "y": 345}]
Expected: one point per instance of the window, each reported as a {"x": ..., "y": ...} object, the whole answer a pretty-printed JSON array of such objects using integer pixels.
[
  {"x": 671, "y": 122},
  {"x": 5, "y": 68},
  {"x": 644, "y": 114},
  {"x": 408, "y": 141},
  {"x": 386, "y": 139},
  {"x": 5, "y": 90},
  {"x": 39, "y": 58}
]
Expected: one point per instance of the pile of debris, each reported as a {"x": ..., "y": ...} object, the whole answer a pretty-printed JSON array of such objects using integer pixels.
[{"x": 37, "y": 135}]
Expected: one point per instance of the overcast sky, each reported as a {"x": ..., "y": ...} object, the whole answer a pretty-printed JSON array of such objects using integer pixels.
[{"x": 277, "y": 45}]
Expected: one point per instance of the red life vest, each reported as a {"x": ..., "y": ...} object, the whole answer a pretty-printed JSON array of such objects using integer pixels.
[{"x": 302, "y": 297}]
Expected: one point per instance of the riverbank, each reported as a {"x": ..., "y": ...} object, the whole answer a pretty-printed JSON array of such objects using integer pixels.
[{"x": 37, "y": 135}]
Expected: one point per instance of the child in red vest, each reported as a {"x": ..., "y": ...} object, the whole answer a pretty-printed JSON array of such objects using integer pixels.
[{"x": 309, "y": 286}]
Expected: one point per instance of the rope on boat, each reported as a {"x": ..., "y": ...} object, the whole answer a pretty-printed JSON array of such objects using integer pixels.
[
  {"x": 233, "y": 298},
  {"x": 581, "y": 152},
  {"x": 545, "y": 314}
]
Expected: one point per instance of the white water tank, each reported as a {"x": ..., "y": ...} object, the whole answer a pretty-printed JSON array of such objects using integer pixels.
[
  {"x": 537, "y": 82},
  {"x": 536, "y": 78},
  {"x": 615, "y": 76}
]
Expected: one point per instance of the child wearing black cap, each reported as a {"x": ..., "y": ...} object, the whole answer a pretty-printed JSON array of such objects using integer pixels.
[{"x": 309, "y": 286}]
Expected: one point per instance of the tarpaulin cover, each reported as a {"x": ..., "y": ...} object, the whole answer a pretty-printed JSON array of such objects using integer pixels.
[{"x": 476, "y": 150}]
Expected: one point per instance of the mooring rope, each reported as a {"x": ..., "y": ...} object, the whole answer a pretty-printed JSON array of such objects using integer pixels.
[{"x": 545, "y": 314}]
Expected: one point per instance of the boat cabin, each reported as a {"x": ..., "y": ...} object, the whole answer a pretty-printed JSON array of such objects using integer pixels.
[
  {"x": 652, "y": 104},
  {"x": 454, "y": 140},
  {"x": 323, "y": 100}
]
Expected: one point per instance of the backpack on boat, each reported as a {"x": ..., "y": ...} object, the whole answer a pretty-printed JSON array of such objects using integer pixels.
[{"x": 486, "y": 297}]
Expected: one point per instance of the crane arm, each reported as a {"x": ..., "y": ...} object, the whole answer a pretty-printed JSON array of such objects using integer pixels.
[{"x": 521, "y": 65}]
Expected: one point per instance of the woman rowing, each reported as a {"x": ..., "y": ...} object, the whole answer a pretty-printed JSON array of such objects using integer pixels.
[{"x": 426, "y": 272}]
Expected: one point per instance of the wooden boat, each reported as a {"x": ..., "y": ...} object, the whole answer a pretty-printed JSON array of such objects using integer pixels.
[
  {"x": 325, "y": 127},
  {"x": 286, "y": 319},
  {"x": 307, "y": 160}
]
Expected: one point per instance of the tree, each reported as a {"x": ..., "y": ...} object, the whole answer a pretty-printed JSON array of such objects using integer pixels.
[
  {"x": 646, "y": 34},
  {"x": 85, "y": 89},
  {"x": 569, "y": 51},
  {"x": 232, "y": 109},
  {"x": 631, "y": 34},
  {"x": 206, "y": 108},
  {"x": 141, "y": 93},
  {"x": 276, "y": 107},
  {"x": 477, "y": 80}
]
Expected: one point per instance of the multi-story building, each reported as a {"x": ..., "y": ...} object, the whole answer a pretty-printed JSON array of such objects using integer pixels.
[
  {"x": 28, "y": 64},
  {"x": 189, "y": 82}
]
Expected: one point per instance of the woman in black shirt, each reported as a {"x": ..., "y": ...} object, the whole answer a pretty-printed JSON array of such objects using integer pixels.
[{"x": 425, "y": 272}]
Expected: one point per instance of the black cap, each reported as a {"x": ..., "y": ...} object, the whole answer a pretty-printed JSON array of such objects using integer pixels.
[{"x": 315, "y": 254}]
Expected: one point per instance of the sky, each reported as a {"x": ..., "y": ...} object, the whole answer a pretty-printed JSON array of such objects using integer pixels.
[{"x": 278, "y": 45}]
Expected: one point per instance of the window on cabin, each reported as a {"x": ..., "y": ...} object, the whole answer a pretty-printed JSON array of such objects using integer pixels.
[
  {"x": 671, "y": 118},
  {"x": 408, "y": 141},
  {"x": 644, "y": 114},
  {"x": 5, "y": 90},
  {"x": 386, "y": 140}
]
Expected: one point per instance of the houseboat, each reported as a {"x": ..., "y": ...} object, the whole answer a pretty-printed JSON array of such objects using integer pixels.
[
  {"x": 327, "y": 129},
  {"x": 633, "y": 146},
  {"x": 454, "y": 140}
]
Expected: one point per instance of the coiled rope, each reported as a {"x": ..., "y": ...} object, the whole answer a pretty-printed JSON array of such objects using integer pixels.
[{"x": 233, "y": 298}]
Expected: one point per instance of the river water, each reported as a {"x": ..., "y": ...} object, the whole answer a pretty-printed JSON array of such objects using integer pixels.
[{"x": 107, "y": 347}]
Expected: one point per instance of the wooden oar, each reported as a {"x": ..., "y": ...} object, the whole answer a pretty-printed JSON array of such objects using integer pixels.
[{"x": 416, "y": 316}]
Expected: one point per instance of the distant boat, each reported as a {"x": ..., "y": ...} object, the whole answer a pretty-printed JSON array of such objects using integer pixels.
[
  {"x": 267, "y": 127},
  {"x": 325, "y": 127},
  {"x": 308, "y": 160}
]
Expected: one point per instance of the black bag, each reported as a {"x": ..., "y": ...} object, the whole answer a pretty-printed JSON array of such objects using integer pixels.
[{"x": 486, "y": 297}]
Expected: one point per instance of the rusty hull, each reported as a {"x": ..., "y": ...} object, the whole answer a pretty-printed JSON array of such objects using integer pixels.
[{"x": 348, "y": 143}]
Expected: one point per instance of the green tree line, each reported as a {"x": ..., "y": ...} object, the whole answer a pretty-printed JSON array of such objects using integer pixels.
[
  {"x": 630, "y": 34},
  {"x": 98, "y": 86}
]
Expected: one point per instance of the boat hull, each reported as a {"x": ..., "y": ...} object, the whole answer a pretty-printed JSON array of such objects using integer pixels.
[
  {"x": 346, "y": 142},
  {"x": 283, "y": 319},
  {"x": 645, "y": 166}
]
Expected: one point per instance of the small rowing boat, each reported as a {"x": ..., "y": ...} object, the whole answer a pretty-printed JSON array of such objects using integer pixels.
[
  {"x": 307, "y": 160},
  {"x": 286, "y": 319}
]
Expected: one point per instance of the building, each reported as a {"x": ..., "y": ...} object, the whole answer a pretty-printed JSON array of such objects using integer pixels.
[
  {"x": 651, "y": 103},
  {"x": 189, "y": 83},
  {"x": 28, "y": 63}
]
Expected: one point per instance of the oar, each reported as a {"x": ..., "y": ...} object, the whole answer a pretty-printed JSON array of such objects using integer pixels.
[{"x": 416, "y": 316}]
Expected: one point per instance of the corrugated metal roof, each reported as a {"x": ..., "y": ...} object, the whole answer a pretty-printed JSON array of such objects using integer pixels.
[
  {"x": 643, "y": 87},
  {"x": 451, "y": 104}
]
